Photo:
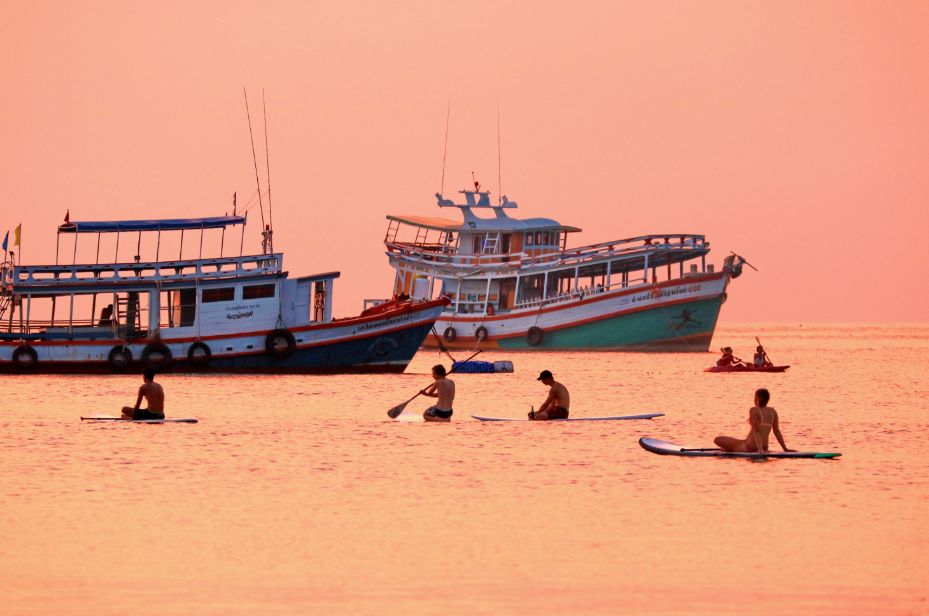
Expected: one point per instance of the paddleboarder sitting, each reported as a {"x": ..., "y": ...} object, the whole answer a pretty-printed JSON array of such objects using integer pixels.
[
  {"x": 444, "y": 389},
  {"x": 763, "y": 420},
  {"x": 556, "y": 404},
  {"x": 728, "y": 359},
  {"x": 154, "y": 395}
]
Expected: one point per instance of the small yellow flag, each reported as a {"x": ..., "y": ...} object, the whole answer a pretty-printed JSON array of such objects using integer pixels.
[{"x": 17, "y": 233}]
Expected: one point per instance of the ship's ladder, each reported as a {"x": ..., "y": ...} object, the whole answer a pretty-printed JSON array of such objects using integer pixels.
[
  {"x": 128, "y": 313},
  {"x": 490, "y": 244}
]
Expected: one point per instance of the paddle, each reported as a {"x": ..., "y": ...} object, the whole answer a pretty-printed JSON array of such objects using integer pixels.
[{"x": 395, "y": 411}]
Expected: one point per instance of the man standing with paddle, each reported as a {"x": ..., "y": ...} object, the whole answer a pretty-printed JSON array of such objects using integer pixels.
[
  {"x": 558, "y": 401},
  {"x": 444, "y": 389}
]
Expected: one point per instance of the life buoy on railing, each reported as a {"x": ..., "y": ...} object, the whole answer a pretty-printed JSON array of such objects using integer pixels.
[
  {"x": 120, "y": 357},
  {"x": 534, "y": 336},
  {"x": 280, "y": 344},
  {"x": 450, "y": 334},
  {"x": 25, "y": 357},
  {"x": 480, "y": 333},
  {"x": 156, "y": 355},
  {"x": 199, "y": 354}
]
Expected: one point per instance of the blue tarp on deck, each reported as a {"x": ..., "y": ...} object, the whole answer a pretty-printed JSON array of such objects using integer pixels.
[{"x": 166, "y": 224}]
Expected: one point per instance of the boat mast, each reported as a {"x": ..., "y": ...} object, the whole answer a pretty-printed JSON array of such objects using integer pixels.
[
  {"x": 264, "y": 246},
  {"x": 448, "y": 115},
  {"x": 268, "y": 175}
]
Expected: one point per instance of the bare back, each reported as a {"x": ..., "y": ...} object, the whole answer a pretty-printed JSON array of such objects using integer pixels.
[
  {"x": 559, "y": 393},
  {"x": 445, "y": 388},
  {"x": 762, "y": 420},
  {"x": 154, "y": 396}
]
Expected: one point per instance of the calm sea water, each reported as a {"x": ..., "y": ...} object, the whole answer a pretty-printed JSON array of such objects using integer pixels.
[{"x": 298, "y": 495}]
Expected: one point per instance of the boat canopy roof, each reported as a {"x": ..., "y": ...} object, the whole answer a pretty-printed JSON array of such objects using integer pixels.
[
  {"x": 164, "y": 224},
  {"x": 473, "y": 223}
]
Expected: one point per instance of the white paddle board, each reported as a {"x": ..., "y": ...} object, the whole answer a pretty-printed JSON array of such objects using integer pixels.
[
  {"x": 165, "y": 420},
  {"x": 670, "y": 449},
  {"x": 611, "y": 418}
]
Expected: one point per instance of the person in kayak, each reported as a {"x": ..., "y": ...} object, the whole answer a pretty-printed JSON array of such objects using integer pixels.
[
  {"x": 154, "y": 396},
  {"x": 728, "y": 359},
  {"x": 763, "y": 420},
  {"x": 761, "y": 358},
  {"x": 444, "y": 389},
  {"x": 556, "y": 404}
]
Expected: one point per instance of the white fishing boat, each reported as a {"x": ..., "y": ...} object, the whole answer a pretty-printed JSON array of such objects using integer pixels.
[
  {"x": 517, "y": 284},
  {"x": 221, "y": 313}
]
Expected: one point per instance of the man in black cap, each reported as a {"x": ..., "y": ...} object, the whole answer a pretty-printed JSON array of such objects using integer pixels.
[{"x": 558, "y": 401}]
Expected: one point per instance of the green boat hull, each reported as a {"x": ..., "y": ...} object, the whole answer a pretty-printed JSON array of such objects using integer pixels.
[{"x": 680, "y": 327}]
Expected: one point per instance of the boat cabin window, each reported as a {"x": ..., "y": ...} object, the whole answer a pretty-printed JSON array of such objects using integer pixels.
[
  {"x": 180, "y": 307},
  {"x": 219, "y": 294},
  {"x": 529, "y": 241},
  {"x": 538, "y": 238},
  {"x": 257, "y": 291}
]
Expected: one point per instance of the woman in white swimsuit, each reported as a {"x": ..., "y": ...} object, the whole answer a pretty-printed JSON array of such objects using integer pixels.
[{"x": 763, "y": 420}]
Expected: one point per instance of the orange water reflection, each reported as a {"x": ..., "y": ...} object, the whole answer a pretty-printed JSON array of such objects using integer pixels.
[{"x": 296, "y": 494}]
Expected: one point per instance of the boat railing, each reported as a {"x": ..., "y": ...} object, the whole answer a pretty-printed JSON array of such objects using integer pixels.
[
  {"x": 577, "y": 294},
  {"x": 628, "y": 247},
  {"x": 159, "y": 271},
  {"x": 60, "y": 327}
]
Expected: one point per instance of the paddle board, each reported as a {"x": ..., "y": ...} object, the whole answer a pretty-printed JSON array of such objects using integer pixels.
[
  {"x": 612, "y": 418},
  {"x": 165, "y": 420},
  {"x": 670, "y": 449}
]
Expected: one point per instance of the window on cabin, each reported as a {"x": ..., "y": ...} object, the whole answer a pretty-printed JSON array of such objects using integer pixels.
[
  {"x": 547, "y": 238},
  {"x": 219, "y": 294},
  {"x": 538, "y": 238},
  {"x": 556, "y": 240},
  {"x": 257, "y": 291},
  {"x": 178, "y": 308},
  {"x": 529, "y": 239},
  {"x": 478, "y": 244}
]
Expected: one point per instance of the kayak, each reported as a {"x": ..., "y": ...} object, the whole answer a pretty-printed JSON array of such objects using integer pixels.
[
  {"x": 165, "y": 420},
  {"x": 612, "y": 418},
  {"x": 670, "y": 449},
  {"x": 744, "y": 368}
]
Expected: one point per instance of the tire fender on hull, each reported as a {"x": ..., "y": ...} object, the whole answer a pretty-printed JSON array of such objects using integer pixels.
[
  {"x": 534, "y": 336},
  {"x": 25, "y": 357},
  {"x": 450, "y": 334},
  {"x": 120, "y": 357},
  {"x": 156, "y": 355},
  {"x": 199, "y": 354},
  {"x": 280, "y": 344},
  {"x": 480, "y": 333}
]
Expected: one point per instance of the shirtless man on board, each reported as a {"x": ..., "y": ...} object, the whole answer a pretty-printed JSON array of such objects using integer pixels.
[
  {"x": 444, "y": 389},
  {"x": 558, "y": 402},
  {"x": 154, "y": 395}
]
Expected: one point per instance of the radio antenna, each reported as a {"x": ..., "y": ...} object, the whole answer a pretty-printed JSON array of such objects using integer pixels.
[
  {"x": 499, "y": 164},
  {"x": 264, "y": 110},
  {"x": 448, "y": 115}
]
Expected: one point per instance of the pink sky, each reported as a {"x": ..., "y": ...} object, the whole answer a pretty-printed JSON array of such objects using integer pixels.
[{"x": 794, "y": 133}]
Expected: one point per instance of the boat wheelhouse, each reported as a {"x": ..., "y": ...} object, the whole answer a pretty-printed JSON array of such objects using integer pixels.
[
  {"x": 516, "y": 284},
  {"x": 218, "y": 314}
]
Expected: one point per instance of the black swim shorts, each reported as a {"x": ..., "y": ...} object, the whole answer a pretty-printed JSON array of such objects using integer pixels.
[
  {"x": 434, "y": 411},
  {"x": 144, "y": 414},
  {"x": 557, "y": 413}
]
